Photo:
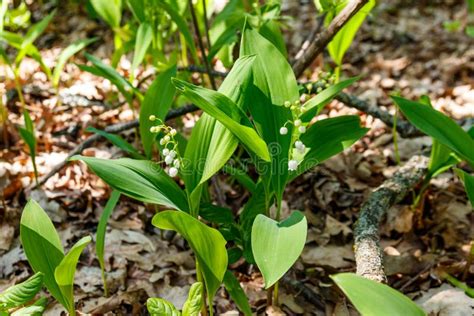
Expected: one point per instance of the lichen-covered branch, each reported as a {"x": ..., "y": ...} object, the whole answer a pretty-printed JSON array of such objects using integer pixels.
[
  {"x": 323, "y": 39},
  {"x": 368, "y": 254}
]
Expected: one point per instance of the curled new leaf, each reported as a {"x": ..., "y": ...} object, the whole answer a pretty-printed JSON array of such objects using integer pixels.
[
  {"x": 161, "y": 307},
  {"x": 21, "y": 293},
  {"x": 193, "y": 304},
  {"x": 64, "y": 272}
]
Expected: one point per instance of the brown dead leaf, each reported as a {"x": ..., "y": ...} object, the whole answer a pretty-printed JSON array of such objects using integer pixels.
[{"x": 334, "y": 256}]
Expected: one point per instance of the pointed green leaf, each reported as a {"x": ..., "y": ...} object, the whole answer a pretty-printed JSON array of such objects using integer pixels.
[
  {"x": 207, "y": 244},
  {"x": 157, "y": 102},
  {"x": 142, "y": 42},
  {"x": 42, "y": 246},
  {"x": 211, "y": 144},
  {"x": 161, "y": 307},
  {"x": 65, "y": 271},
  {"x": 468, "y": 181},
  {"x": 375, "y": 299},
  {"x": 109, "y": 10},
  {"x": 319, "y": 101},
  {"x": 101, "y": 230},
  {"x": 36, "y": 30},
  {"x": 277, "y": 245},
  {"x": 438, "y": 126},
  {"x": 21, "y": 293},
  {"x": 192, "y": 306},
  {"x": 117, "y": 141},
  {"x": 236, "y": 292},
  {"x": 225, "y": 111},
  {"x": 142, "y": 180},
  {"x": 327, "y": 138},
  {"x": 344, "y": 37},
  {"x": 273, "y": 83},
  {"x": 67, "y": 53}
]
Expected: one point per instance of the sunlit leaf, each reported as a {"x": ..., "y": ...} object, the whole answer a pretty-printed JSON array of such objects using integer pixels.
[
  {"x": 21, "y": 293},
  {"x": 375, "y": 299},
  {"x": 65, "y": 271},
  {"x": 277, "y": 245},
  {"x": 39, "y": 237},
  {"x": 207, "y": 244},
  {"x": 193, "y": 304},
  {"x": 142, "y": 180}
]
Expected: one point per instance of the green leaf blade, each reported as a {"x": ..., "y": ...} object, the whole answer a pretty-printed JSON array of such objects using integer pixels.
[
  {"x": 374, "y": 299},
  {"x": 142, "y": 180},
  {"x": 207, "y": 243},
  {"x": 65, "y": 271},
  {"x": 39, "y": 237},
  {"x": 277, "y": 245},
  {"x": 21, "y": 293}
]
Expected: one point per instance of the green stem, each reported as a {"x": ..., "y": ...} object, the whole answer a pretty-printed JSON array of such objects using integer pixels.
[
  {"x": 200, "y": 279},
  {"x": 275, "y": 294},
  {"x": 18, "y": 88}
]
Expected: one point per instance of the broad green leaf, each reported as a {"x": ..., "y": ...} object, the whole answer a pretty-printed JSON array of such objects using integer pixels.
[
  {"x": 277, "y": 245},
  {"x": 327, "y": 138},
  {"x": 468, "y": 181},
  {"x": 273, "y": 83},
  {"x": 161, "y": 307},
  {"x": 142, "y": 180},
  {"x": 109, "y": 10},
  {"x": 375, "y": 299},
  {"x": 67, "y": 53},
  {"x": 344, "y": 37},
  {"x": 21, "y": 293},
  {"x": 36, "y": 30},
  {"x": 211, "y": 144},
  {"x": 157, "y": 102},
  {"x": 101, "y": 230},
  {"x": 117, "y": 141},
  {"x": 3, "y": 10},
  {"x": 142, "y": 42},
  {"x": 271, "y": 31},
  {"x": 319, "y": 101},
  {"x": 65, "y": 271},
  {"x": 225, "y": 111},
  {"x": 438, "y": 126},
  {"x": 193, "y": 304},
  {"x": 42, "y": 246},
  {"x": 236, "y": 292},
  {"x": 207, "y": 244}
]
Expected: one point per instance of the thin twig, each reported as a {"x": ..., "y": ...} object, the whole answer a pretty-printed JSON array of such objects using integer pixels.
[
  {"x": 201, "y": 45},
  {"x": 368, "y": 254},
  {"x": 323, "y": 39},
  {"x": 206, "y": 24}
]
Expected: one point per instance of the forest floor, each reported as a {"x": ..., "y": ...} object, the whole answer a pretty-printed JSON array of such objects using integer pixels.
[{"x": 403, "y": 48}]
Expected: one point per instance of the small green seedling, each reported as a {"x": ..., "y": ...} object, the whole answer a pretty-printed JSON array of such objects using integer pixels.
[
  {"x": 45, "y": 254},
  {"x": 192, "y": 306},
  {"x": 27, "y": 133},
  {"x": 15, "y": 299}
]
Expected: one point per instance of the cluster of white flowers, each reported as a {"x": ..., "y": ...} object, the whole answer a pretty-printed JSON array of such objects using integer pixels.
[
  {"x": 169, "y": 152},
  {"x": 300, "y": 128}
]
